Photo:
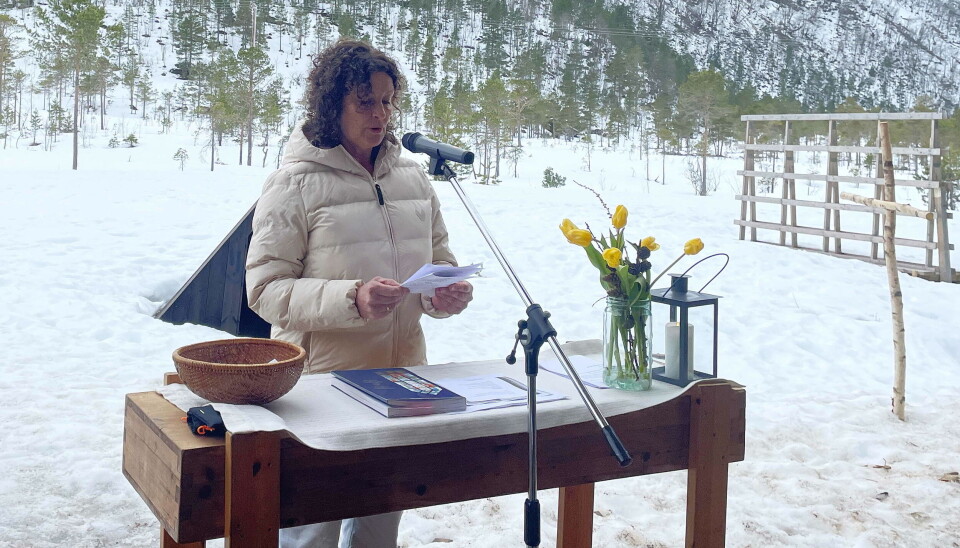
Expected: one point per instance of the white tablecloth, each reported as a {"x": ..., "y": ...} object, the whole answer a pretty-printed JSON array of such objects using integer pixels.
[{"x": 322, "y": 417}]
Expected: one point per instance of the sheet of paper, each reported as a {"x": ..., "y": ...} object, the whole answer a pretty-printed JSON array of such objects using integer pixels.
[
  {"x": 492, "y": 392},
  {"x": 589, "y": 369},
  {"x": 432, "y": 276}
]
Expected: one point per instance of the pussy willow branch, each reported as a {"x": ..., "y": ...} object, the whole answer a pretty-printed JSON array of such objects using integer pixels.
[{"x": 595, "y": 193}]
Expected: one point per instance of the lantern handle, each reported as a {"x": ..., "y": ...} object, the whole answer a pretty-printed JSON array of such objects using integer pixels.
[{"x": 677, "y": 278}]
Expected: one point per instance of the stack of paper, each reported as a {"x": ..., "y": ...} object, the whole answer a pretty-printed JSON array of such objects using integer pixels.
[
  {"x": 589, "y": 369},
  {"x": 492, "y": 392},
  {"x": 432, "y": 276}
]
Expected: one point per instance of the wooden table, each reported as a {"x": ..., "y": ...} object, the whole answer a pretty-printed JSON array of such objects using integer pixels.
[{"x": 243, "y": 488}]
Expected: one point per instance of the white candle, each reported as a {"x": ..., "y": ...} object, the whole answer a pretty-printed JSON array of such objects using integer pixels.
[{"x": 672, "y": 350}]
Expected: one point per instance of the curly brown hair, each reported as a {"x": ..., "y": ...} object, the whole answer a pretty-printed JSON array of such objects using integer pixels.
[{"x": 337, "y": 71}]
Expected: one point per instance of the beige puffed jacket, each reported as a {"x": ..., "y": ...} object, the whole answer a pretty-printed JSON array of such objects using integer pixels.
[{"x": 322, "y": 227}]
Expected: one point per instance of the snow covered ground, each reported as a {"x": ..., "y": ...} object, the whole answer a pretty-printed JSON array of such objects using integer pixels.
[{"x": 86, "y": 257}]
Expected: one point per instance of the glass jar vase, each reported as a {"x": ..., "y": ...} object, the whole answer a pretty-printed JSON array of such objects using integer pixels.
[{"x": 627, "y": 344}]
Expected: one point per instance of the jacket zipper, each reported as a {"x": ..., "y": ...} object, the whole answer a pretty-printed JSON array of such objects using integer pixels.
[{"x": 396, "y": 266}]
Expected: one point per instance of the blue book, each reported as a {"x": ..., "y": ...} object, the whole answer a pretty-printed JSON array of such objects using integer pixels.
[{"x": 397, "y": 392}]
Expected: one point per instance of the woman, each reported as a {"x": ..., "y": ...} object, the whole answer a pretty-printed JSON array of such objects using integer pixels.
[{"x": 337, "y": 225}]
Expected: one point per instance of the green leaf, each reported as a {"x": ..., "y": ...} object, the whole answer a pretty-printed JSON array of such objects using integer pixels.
[
  {"x": 627, "y": 279},
  {"x": 596, "y": 259},
  {"x": 642, "y": 287}
]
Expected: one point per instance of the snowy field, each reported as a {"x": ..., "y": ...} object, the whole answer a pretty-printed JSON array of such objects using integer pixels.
[{"x": 86, "y": 257}]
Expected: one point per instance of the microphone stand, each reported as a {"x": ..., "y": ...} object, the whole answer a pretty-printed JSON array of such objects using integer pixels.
[{"x": 532, "y": 333}]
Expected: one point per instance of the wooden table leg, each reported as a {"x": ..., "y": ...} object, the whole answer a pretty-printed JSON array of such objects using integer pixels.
[
  {"x": 171, "y": 378},
  {"x": 166, "y": 541},
  {"x": 575, "y": 517},
  {"x": 252, "y": 491},
  {"x": 707, "y": 475}
]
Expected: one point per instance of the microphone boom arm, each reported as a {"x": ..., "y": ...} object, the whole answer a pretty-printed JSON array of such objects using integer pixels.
[{"x": 440, "y": 168}]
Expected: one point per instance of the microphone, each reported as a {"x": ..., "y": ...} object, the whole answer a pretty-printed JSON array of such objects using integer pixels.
[{"x": 414, "y": 142}]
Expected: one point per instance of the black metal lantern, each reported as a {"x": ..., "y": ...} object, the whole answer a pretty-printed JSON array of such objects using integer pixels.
[{"x": 679, "y": 348}]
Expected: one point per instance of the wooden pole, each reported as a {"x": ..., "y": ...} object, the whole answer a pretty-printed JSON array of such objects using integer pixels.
[
  {"x": 828, "y": 189},
  {"x": 784, "y": 190},
  {"x": 166, "y": 541},
  {"x": 251, "y": 490},
  {"x": 708, "y": 473},
  {"x": 937, "y": 204},
  {"x": 893, "y": 276},
  {"x": 575, "y": 516},
  {"x": 748, "y": 165},
  {"x": 889, "y": 206},
  {"x": 791, "y": 183},
  {"x": 878, "y": 194}
]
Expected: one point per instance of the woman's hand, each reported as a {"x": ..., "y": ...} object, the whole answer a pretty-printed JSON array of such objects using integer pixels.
[
  {"x": 378, "y": 297},
  {"x": 454, "y": 298}
]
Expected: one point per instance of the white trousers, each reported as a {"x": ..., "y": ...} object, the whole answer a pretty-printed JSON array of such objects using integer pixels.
[{"x": 379, "y": 531}]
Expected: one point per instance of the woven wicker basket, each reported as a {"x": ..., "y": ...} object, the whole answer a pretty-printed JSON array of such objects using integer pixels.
[{"x": 237, "y": 370}]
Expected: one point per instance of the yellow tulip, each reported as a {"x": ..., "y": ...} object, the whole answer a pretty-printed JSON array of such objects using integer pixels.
[
  {"x": 579, "y": 237},
  {"x": 619, "y": 218},
  {"x": 650, "y": 243},
  {"x": 567, "y": 225},
  {"x": 693, "y": 247},
  {"x": 612, "y": 256}
]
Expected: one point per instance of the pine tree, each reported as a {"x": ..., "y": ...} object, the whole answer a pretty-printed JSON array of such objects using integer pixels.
[
  {"x": 853, "y": 132},
  {"x": 69, "y": 37},
  {"x": 446, "y": 121},
  {"x": 704, "y": 97},
  {"x": 413, "y": 42},
  {"x": 220, "y": 94},
  {"x": 115, "y": 38},
  {"x": 568, "y": 117},
  {"x": 188, "y": 28},
  {"x": 56, "y": 122},
  {"x": 130, "y": 22},
  {"x": 98, "y": 82},
  {"x": 427, "y": 69},
  {"x": 493, "y": 103},
  {"x": 524, "y": 95},
  {"x": 8, "y": 53},
  {"x": 346, "y": 24},
  {"x": 452, "y": 58},
  {"x": 440, "y": 115},
  {"x": 626, "y": 82},
  {"x": 145, "y": 92},
  {"x": 494, "y": 37},
  {"x": 531, "y": 64},
  {"x": 590, "y": 93},
  {"x": 181, "y": 157},
  {"x": 273, "y": 103},
  {"x": 36, "y": 122},
  {"x": 950, "y": 161},
  {"x": 257, "y": 73}
]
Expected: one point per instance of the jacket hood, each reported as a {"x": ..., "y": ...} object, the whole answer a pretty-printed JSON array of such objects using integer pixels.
[{"x": 300, "y": 149}]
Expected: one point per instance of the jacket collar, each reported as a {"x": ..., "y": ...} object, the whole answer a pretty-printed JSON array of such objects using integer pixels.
[{"x": 300, "y": 149}]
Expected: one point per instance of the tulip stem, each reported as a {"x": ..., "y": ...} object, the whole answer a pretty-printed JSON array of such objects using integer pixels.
[
  {"x": 626, "y": 359},
  {"x": 664, "y": 271}
]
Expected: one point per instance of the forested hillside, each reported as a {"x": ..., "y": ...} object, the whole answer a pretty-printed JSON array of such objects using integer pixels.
[{"x": 667, "y": 74}]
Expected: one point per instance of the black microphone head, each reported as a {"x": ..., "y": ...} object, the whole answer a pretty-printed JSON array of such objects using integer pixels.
[{"x": 409, "y": 140}]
